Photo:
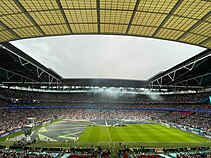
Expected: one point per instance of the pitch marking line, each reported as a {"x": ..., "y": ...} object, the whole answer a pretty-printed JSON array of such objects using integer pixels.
[{"x": 109, "y": 135}]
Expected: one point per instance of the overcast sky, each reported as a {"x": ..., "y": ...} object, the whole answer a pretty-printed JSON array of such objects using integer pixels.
[{"x": 119, "y": 57}]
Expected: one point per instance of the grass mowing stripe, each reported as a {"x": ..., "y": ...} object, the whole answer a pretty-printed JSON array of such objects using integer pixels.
[
  {"x": 95, "y": 134},
  {"x": 188, "y": 135},
  {"x": 104, "y": 135},
  {"x": 134, "y": 134},
  {"x": 160, "y": 135},
  {"x": 85, "y": 135},
  {"x": 114, "y": 133},
  {"x": 140, "y": 133},
  {"x": 144, "y": 134}
]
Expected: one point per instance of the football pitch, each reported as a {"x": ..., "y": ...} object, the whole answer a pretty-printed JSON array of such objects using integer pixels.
[
  {"x": 104, "y": 133},
  {"x": 141, "y": 134}
]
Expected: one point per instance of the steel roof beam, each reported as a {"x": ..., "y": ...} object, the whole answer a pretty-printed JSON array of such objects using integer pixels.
[
  {"x": 175, "y": 86},
  {"x": 14, "y": 73},
  {"x": 21, "y": 7},
  {"x": 98, "y": 15},
  {"x": 194, "y": 26},
  {"x": 174, "y": 71},
  {"x": 64, "y": 16},
  {"x": 9, "y": 30},
  {"x": 205, "y": 41},
  {"x": 133, "y": 15},
  {"x": 194, "y": 78},
  {"x": 167, "y": 17},
  {"x": 40, "y": 83},
  {"x": 20, "y": 57}
]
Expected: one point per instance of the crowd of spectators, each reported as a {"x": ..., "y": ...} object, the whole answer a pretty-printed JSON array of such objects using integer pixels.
[
  {"x": 98, "y": 105},
  {"x": 94, "y": 97},
  {"x": 11, "y": 119},
  {"x": 3, "y": 103},
  {"x": 77, "y": 152},
  {"x": 93, "y": 153},
  {"x": 74, "y": 152},
  {"x": 23, "y": 155},
  {"x": 195, "y": 120},
  {"x": 140, "y": 152},
  {"x": 194, "y": 155}
]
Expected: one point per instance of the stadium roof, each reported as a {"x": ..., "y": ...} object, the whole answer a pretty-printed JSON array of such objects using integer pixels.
[
  {"x": 185, "y": 21},
  {"x": 105, "y": 82},
  {"x": 194, "y": 72},
  {"x": 17, "y": 68}
]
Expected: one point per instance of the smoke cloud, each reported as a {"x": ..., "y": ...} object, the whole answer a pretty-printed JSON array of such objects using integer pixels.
[
  {"x": 152, "y": 95},
  {"x": 113, "y": 92}
]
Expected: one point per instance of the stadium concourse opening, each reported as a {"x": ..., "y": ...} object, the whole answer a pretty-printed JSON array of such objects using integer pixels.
[{"x": 118, "y": 108}]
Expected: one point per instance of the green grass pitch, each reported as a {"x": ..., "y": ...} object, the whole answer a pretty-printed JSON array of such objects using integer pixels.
[
  {"x": 132, "y": 135},
  {"x": 145, "y": 134}
]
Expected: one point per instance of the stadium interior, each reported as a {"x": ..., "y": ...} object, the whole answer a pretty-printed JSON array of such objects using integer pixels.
[{"x": 45, "y": 115}]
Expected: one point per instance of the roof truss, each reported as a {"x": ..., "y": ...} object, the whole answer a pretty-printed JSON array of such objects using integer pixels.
[
  {"x": 189, "y": 74},
  {"x": 176, "y": 20}
]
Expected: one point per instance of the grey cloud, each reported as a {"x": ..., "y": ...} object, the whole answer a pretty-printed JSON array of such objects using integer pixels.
[{"x": 107, "y": 56}]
